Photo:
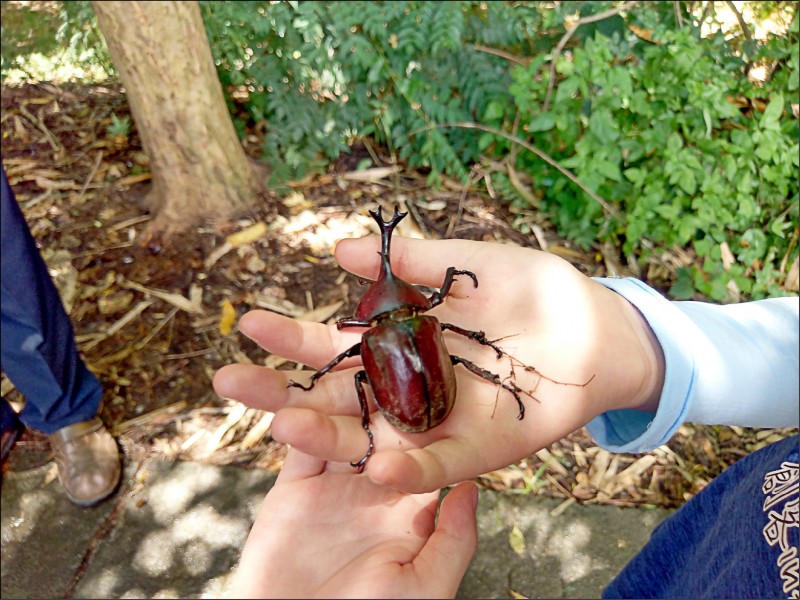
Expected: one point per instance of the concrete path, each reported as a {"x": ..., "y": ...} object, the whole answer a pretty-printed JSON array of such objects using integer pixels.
[{"x": 175, "y": 530}]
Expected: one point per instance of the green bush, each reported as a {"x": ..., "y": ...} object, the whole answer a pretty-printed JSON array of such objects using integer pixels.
[
  {"x": 322, "y": 73},
  {"x": 652, "y": 129}
]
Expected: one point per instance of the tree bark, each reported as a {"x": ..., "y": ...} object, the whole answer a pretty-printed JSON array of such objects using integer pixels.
[{"x": 199, "y": 169}]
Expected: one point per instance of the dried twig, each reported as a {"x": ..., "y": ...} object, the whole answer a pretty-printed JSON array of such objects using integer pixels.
[
  {"x": 157, "y": 328},
  {"x": 502, "y": 54},
  {"x": 189, "y": 354},
  {"x": 676, "y": 6},
  {"x": 706, "y": 11},
  {"x": 455, "y": 219},
  {"x": 127, "y": 318},
  {"x": 745, "y": 31},
  {"x": 147, "y": 417},
  {"x": 86, "y": 183},
  {"x": 742, "y": 23},
  {"x": 193, "y": 304},
  {"x": 545, "y": 157},
  {"x": 257, "y": 432},
  {"x": 236, "y": 412},
  {"x": 42, "y": 127}
]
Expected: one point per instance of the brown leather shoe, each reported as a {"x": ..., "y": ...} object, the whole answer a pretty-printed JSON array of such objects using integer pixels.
[{"x": 88, "y": 461}]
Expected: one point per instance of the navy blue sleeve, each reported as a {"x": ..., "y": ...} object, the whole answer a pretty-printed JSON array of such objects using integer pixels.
[{"x": 737, "y": 538}]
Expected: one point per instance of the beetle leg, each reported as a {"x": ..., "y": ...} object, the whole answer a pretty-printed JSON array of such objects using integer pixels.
[
  {"x": 478, "y": 336},
  {"x": 449, "y": 277},
  {"x": 361, "y": 379},
  {"x": 489, "y": 376},
  {"x": 350, "y": 352}
]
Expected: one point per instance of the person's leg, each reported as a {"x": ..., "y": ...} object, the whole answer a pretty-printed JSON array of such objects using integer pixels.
[{"x": 39, "y": 355}]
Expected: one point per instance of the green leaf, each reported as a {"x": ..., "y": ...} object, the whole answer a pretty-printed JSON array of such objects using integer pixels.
[
  {"x": 683, "y": 288},
  {"x": 601, "y": 125},
  {"x": 608, "y": 170},
  {"x": 567, "y": 89},
  {"x": 687, "y": 182},
  {"x": 753, "y": 245},
  {"x": 719, "y": 287},
  {"x": 485, "y": 140},
  {"x": 778, "y": 226},
  {"x": 544, "y": 122},
  {"x": 494, "y": 110},
  {"x": 669, "y": 211},
  {"x": 634, "y": 175},
  {"x": 773, "y": 112},
  {"x": 674, "y": 142}
]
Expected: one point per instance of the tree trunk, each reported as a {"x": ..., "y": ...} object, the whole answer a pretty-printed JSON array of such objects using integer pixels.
[{"x": 199, "y": 169}]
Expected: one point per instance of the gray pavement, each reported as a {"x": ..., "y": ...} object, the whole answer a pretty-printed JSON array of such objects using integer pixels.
[{"x": 175, "y": 530}]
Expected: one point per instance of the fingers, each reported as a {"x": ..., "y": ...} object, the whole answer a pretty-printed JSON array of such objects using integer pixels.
[
  {"x": 252, "y": 385},
  {"x": 448, "y": 552},
  {"x": 267, "y": 389},
  {"x": 305, "y": 342},
  {"x": 422, "y": 262},
  {"x": 336, "y": 438},
  {"x": 434, "y": 466},
  {"x": 299, "y": 465}
]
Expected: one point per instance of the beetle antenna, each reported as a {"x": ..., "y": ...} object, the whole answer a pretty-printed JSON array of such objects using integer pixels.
[{"x": 386, "y": 227}]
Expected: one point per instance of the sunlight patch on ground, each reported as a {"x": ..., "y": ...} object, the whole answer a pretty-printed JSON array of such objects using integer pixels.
[
  {"x": 320, "y": 231},
  {"x": 60, "y": 68}
]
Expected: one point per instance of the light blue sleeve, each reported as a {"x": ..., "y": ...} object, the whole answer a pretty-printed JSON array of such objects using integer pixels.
[{"x": 734, "y": 364}]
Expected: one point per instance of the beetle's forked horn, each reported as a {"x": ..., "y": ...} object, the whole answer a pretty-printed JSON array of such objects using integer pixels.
[{"x": 386, "y": 227}]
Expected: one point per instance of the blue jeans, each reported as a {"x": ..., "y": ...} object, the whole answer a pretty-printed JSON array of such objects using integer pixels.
[{"x": 39, "y": 354}]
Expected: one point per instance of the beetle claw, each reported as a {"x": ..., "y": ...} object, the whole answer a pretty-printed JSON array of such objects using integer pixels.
[
  {"x": 293, "y": 383},
  {"x": 363, "y": 462}
]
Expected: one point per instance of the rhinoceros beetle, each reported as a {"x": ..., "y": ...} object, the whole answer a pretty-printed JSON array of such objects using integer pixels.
[{"x": 406, "y": 362}]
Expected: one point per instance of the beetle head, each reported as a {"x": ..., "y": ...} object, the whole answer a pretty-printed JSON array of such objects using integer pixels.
[{"x": 389, "y": 293}]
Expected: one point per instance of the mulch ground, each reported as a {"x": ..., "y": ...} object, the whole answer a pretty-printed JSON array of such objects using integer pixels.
[{"x": 151, "y": 320}]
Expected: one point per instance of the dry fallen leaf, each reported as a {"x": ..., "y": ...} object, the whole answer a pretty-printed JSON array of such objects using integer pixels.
[
  {"x": 247, "y": 236},
  {"x": 726, "y": 256},
  {"x": 131, "y": 179},
  {"x": 516, "y": 540},
  {"x": 227, "y": 317},
  {"x": 193, "y": 304},
  {"x": 218, "y": 253},
  {"x": 370, "y": 175},
  {"x": 322, "y": 313},
  {"x": 297, "y": 202},
  {"x": 642, "y": 33}
]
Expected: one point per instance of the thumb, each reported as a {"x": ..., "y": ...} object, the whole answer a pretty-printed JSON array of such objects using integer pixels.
[{"x": 449, "y": 550}]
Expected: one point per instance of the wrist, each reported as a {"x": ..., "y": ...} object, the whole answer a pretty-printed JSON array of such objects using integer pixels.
[
  {"x": 646, "y": 354},
  {"x": 631, "y": 365}
]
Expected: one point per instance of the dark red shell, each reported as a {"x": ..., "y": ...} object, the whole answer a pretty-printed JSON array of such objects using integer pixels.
[{"x": 410, "y": 372}]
